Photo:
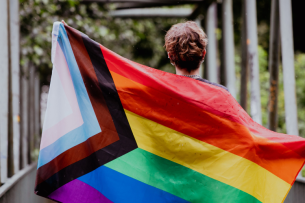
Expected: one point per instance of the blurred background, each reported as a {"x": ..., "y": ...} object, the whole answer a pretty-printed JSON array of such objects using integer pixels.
[
  {"x": 141, "y": 39},
  {"x": 136, "y": 29}
]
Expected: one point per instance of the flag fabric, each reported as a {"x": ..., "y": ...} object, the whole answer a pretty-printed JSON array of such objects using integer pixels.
[{"x": 117, "y": 131}]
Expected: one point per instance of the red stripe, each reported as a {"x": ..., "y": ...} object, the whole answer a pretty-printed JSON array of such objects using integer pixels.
[
  {"x": 207, "y": 127},
  {"x": 207, "y": 97},
  {"x": 169, "y": 104}
]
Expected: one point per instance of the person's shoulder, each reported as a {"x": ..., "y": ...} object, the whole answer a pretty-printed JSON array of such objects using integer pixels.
[{"x": 212, "y": 83}]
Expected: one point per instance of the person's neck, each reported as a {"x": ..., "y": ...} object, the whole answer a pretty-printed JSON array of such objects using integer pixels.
[{"x": 185, "y": 72}]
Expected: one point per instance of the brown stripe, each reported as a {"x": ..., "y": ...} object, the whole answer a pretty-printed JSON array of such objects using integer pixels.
[
  {"x": 75, "y": 154},
  {"x": 108, "y": 135},
  {"x": 91, "y": 82}
]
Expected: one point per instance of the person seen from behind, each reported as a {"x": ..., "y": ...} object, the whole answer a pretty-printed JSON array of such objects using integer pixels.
[{"x": 185, "y": 44}]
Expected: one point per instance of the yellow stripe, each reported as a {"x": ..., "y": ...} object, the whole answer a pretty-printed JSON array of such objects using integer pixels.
[{"x": 207, "y": 159}]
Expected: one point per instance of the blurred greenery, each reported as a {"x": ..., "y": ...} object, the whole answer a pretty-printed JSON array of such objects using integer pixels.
[
  {"x": 142, "y": 40},
  {"x": 264, "y": 89}
]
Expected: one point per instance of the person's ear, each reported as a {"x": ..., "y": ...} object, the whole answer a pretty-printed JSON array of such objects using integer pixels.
[
  {"x": 203, "y": 53},
  {"x": 169, "y": 56}
]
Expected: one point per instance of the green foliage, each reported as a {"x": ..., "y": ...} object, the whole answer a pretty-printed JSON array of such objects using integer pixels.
[
  {"x": 264, "y": 83},
  {"x": 264, "y": 89},
  {"x": 300, "y": 95},
  {"x": 141, "y": 40},
  {"x": 300, "y": 90}
]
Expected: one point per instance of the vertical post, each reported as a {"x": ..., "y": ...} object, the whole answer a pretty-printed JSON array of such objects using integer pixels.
[
  {"x": 198, "y": 21},
  {"x": 10, "y": 155},
  {"x": 31, "y": 112},
  {"x": 244, "y": 62},
  {"x": 211, "y": 57},
  {"x": 288, "y": 67},
  {"x": 37, "y": 110},
  {"x": 15, "y": 80},
  {"x": 4, "y": 90},
  {"x": 24, "y": 115},
  {"x": 251, "y": 26},
  {"x": 274, "y": 47},
  {"x": 228, "y": 46}
]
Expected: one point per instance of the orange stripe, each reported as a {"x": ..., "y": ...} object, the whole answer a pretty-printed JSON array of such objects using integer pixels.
[
  {"x": 207, "y": 97},
  {"x": 207, "y": 127}
]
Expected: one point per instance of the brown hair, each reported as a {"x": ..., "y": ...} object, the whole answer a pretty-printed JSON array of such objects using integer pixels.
[{"x": 185, "y": 43}]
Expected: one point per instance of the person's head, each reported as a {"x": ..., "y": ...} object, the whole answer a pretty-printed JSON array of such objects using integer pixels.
[{"x": 185, "y": 44}]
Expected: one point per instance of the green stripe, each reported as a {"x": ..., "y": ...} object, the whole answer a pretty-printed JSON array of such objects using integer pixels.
[{"x": 176, "y": 179}]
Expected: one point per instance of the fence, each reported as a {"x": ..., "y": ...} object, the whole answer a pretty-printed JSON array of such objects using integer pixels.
[
  {"x": 20, "y": 89},
  {"x": 19, "y": 113}
]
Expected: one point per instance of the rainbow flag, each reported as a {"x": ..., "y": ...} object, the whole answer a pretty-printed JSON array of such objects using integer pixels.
[{"x": 117, "y": 131}]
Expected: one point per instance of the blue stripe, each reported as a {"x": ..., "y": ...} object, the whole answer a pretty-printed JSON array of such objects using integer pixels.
[
  {"x": 118, "y": 188},
  {"x": 90, "y": 127}
]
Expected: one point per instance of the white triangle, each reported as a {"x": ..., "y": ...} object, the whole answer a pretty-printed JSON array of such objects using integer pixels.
[{"x": 58, "y": 106}]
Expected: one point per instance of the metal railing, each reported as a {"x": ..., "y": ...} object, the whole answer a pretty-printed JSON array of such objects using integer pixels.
[
  {"x": 20, "y": 88},
  {"x": 19, "y": 99}
]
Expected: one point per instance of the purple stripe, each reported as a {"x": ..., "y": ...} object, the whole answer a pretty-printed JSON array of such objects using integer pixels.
[{"x": 77, "y": 191}]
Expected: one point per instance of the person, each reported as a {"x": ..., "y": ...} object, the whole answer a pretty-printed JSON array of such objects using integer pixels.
[{"x": 185, "y": 44}]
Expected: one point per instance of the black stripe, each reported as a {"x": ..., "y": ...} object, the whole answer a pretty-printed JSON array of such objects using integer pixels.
[
  {"x": 81, "y": 168},
  {"x": 126, "y": 143},
  {"x": 109, "y": 90}
]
